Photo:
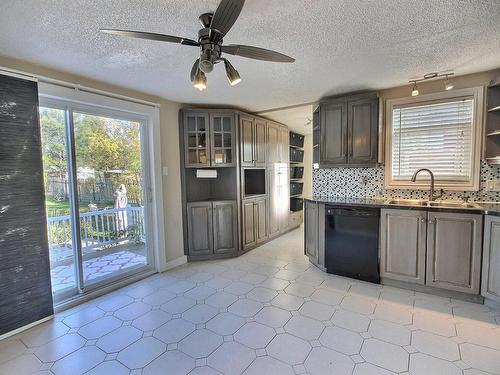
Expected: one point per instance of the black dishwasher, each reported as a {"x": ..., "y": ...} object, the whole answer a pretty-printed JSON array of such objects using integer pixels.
[{"x": 352, "y": 242}]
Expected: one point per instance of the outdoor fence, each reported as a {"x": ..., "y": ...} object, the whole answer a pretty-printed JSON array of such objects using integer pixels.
[{"x": 97, "y": 229}]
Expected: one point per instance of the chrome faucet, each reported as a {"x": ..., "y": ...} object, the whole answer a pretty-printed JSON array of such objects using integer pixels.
[{"x": 432, "y": 197}]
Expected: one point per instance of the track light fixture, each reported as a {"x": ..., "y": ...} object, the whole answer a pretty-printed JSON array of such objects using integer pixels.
[
  {"x": 414, "y": 91},
  {"x": 447, "y": 83},
  {"x": 232, "y": 74},
  {"x": 200, "y": 80}
]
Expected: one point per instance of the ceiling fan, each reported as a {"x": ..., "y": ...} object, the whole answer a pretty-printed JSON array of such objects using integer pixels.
[{"x": 210, "y": 41}]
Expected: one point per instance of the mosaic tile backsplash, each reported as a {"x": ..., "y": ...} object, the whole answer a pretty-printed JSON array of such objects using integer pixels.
[{"x": 369, "y": 183}]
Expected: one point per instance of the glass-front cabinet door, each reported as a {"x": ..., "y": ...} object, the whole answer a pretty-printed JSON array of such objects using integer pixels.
[
  {"x": 222, "y": 140},
  {"x": 196, "y": 130}
]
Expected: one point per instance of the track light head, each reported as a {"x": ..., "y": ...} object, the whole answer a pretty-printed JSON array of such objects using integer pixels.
[
  {"x": 414, "y": 91},
  {"x": 232, "y": 74},
  {"x": 447, "y": 84},
  {"x": 200, "y": 80}
]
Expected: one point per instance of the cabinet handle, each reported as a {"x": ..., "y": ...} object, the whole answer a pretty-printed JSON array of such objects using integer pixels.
[
  {"x": 423, "y": 220},
  {"x": 433, "y": 221}
]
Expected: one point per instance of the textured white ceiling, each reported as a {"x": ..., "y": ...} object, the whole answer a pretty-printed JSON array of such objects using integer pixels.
[
  {"x": 298, "y": 119},
  {"x": 340, "y": 45}
]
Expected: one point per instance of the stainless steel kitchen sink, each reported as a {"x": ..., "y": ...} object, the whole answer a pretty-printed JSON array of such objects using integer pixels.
[
  {"x": 446, "y": 204},
  {"x": 425, "y": 203},
  {"x": 407, "y": 202}
]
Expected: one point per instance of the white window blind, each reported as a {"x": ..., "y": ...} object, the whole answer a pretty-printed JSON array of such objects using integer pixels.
[{"x": 438, "y": 136}]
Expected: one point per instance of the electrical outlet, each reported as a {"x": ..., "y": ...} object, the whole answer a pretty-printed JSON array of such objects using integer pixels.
[{"x": 493, "y": 185}]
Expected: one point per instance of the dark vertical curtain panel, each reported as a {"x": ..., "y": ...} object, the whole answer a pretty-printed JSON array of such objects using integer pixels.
[{"x": 25, "y": 290}]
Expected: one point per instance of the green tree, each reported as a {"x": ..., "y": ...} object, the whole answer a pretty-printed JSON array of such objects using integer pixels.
[{"x": 53, "y": 142}]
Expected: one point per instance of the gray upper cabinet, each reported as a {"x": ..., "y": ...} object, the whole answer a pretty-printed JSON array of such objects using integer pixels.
[
  {"x": 224, "y": 227},
  {"x": 403, "y": 244},
  {"x": 490, "y": 284},
  {"x": 333, "y": 133},
  {"x": 209, "y": 139},
  {"x": 253, "y": 142},
  {"x": 199, "y": 215},
  {"x": 223, "y": 139},
  {"x": 260, "y": 146},
  {"x": 273, "y": 139},
  {"x": 362, "y": 131},
  {"x": 196, "y": 143},
  {"x": 212, "y": 228},
  {"x": 454, "y": 243},
  {"x": 348, "y": 131}
]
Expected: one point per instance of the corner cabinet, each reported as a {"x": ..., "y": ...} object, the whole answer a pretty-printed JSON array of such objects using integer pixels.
[
  {"x": 402, "y": 245},
  {"x": 490, "y": 284},
  {"x": 211, "y": 228},
  {"x": 209, "y": 139},
  {"x": 348, "y": 132}
]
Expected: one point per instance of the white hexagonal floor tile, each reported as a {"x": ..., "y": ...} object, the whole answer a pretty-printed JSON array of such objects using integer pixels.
[
  {"x": 201, "y": 343},
  {"x": 108, "y": 368},
  {"x": 83, "y": 316},
  {"x": 200, "y": 292},
  {"x": 80, "y": 361},
  {"x": 100, "y": 327},
  {"x": 231, "y": 358},
  {"x": 316, "y": 310},
  {"x": 132, "y": 311},
  {"x": 273, "y": 316},
  {"x": 366, "y": 368},
  {"x": 300, "y": 289},
  {"x": 42, "y": 334},
  {"x": 262, "y": 294},
  {"x": 288, "y": 302},
  {"x": 151, "y": 320},
  {"x": 254, "y": 335},
  {"x": 388, "y": 356},
  {"x": 289, "y": 349},
  {"x": 178, "y": 305},
  {"x": 481, "y": 358},
  {"x": 245, "y": 308},
  {"x": 328, "y": 297},
  {"x": 159, "y": 298},
  {"x": 394, "y": 313},
  {"x": 435, "y": 345},
  {"x": 174, "y": 331},
  {"x": 200, "y": 313},
  {"x": 225, "y": 323},
  {"x": 141, "y": 352},
  {"x": 478, "y": 335},
  {"x": 351, "y": 320},
  {"x": 119, "y": 339},
  {"x": 24, "y": 364},
  {"x": 275, "y": 283},
  {"x": 60, "y": 347},
  {"x": 172, "y": 362},
  {"x": 358, "y": 304},
  {"x": 304, "y": 327},
  {"x": 390, "y": 332},
  {"x": 221, "y": 300},
  {"x": 239, "y": 288},
  {"x": 341, "y": 340},
  {"x": 422, "y": 364},
  {"x": 269, "y": 366},
  {"x": 323, "y": 361},
  {"x": 115, "y": 302}
]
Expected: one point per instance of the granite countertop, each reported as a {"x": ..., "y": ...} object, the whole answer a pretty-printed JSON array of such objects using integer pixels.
[{"x": 486, "y": 208}]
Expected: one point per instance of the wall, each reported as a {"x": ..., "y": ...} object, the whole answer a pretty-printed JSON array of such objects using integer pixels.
[
  {"x": 169, "y": 142},
  {"x": 369, "y": 182}
]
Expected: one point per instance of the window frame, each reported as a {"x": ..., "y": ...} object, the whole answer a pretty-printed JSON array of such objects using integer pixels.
[{"x": 477, "y": 93}]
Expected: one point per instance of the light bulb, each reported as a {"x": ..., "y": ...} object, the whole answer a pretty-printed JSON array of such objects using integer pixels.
[
  {"x": 414, "y": 91},
  {"x": 232, "y": 74},
  {"x": 447, "y": 84},
  {"x": 200, "y": 80}
]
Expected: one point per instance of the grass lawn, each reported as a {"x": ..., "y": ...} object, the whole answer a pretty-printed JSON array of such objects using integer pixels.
[{"x": 62, "y": 208}]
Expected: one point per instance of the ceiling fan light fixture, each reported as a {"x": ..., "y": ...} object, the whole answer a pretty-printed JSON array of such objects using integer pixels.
[
  {"x": 232, "y": 74},
  {"x": 200, "y": 80}
]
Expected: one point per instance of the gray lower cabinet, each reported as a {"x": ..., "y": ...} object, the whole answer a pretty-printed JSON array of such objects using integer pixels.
[
  {"x": 200, "y": 238},
  {"x": 212, "y": 228},
  {"x": 454, "y": 244},
  {"x": 490, "y": 284},
  {"x": 254, "y": 213},
  {"x": 403, "y": 244}
]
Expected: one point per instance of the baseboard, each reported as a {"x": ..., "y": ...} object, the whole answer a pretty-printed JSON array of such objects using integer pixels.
[
  {"x": 24, "y": 328},
  {"x": 175, "y": 263}
]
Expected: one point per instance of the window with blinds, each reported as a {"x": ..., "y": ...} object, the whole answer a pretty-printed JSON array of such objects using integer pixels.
[{"x": 438, "y": 136}]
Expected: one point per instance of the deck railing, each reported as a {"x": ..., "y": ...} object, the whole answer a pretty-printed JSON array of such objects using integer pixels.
[{"x": 97, "y": 228}]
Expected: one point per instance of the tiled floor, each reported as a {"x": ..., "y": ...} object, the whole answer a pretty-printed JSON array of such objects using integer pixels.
[{"x": 267, "y": 312}]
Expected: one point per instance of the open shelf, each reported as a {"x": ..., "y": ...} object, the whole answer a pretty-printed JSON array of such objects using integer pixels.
[{"x": 492, "y": 139}]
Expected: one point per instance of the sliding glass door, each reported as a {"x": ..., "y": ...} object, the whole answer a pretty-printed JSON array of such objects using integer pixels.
[{"x": 96, "y": 184}]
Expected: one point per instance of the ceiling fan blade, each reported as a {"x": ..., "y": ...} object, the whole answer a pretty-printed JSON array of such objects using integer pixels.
[
  {"x": 151, "y": 36},
  {"x": 225, "y": 16},
  {"x": 256, "y": 53}
]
